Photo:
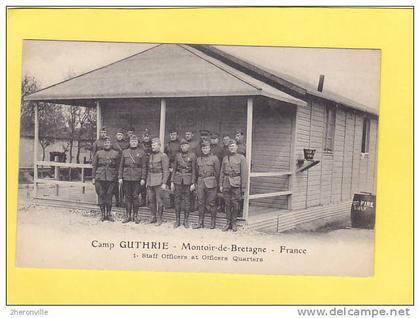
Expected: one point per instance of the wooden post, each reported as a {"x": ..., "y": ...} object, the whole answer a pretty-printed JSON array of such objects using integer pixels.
[
  {"x": 162, "y": 121},
  {"x": 98, "y": 119},
  {"x": 36, "y": 143},
  {"x": 249, "y": 118},
  {"x": 83, "y": 180},
  {"x": 56, "y": 174},
  {"x": 292, "y": 164}
]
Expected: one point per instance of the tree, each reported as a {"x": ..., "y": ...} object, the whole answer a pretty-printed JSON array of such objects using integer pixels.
[{"x": 50, "y": 116}]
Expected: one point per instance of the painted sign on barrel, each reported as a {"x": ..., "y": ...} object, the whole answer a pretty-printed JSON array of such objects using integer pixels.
[{"x": 363, "y": 210}]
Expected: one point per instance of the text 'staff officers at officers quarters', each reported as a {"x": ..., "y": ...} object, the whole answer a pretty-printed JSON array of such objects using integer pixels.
[
  {"x": 182, "y": 182},
  {"x": 208, "y": 168},
  {"x": 233, "y": 179},
  {"x": 104, "y": 174},
  {"x": 157, "y": 177},
  {"x": 132, "y": 175}
]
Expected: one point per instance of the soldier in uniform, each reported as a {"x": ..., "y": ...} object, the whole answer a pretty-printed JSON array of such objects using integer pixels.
[
  {"x": 225, "y": 140},
  {"x": 182, "y": 181},
  {"x": 239, "y": 137},
  {"x": 171, "y": 149},
  {"x": 189, "y": 136},
  {"x": 119, "y": 144},
  {"x": 105, "y": 173},
  {"x": 99, "y": 143},
  {"x": 207, "y": 174},
  {"x": 130, "y": 132},
  {"x": 147, "y": 148},
  {"x": 132, "y": 175},
  {"x": 204, "y": 136},
  {"x": 233, "y": 179},
  {"x": 215, "y": 148},
  {"x": 157, "y": 177}
]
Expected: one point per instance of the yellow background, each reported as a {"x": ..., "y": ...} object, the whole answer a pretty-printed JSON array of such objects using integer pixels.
[{"x": 390, "y": 30}]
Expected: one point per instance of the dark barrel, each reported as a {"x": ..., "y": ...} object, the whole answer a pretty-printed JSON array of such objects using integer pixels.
[{"x": 363, "y": 210}]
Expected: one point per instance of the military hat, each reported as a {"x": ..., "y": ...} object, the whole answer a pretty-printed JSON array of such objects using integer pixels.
[
  {"x": 131, "y": 129},
  {"x": 204, "y": 132},
  {"x": 189, "y": 130},
  {"x": 103, "y": 129},
  {"x": 156, "y": 140},
  {"x": 239, "y": 131},
  {"x": 214, "y": 135},
  {"x": 133, "y": 137},
  {"x": 146, "y": 132},
  {"x": 232, "y": 142},
  {"x": 107, "y": 138},
  {"x": 226, "y": 135},
  {"x": 184, "y": 142},
  {"x": 120, "y": 131},
  {"x": 173, "y": 130},
  {"x": 205, "y": 144}
]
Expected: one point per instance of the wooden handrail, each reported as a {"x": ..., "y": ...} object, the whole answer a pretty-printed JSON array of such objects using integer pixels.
[
  {"x": 268, "y": 195},
  {"x": 270, "y": 174},
  {"x": 63, "y": 164},
  {"x": 59, "y": 182}
]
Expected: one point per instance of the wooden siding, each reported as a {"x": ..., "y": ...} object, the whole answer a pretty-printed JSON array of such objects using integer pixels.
[{"x": 342, "y": 172}]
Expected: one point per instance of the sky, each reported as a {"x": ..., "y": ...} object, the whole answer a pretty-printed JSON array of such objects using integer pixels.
[{"x": 352, "y": 73}]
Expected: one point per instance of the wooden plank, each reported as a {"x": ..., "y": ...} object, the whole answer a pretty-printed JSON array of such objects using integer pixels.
[
  {"x": 71, "y": 183},
  {"x": 162, "y": 121},
  {"x": 63, "y": 164},
  {"x": 267, "y": 195},
  {"x": 269, "y": 174},
  {"x": 36, "y": 142},
  {"x": 249, "y": 118}
]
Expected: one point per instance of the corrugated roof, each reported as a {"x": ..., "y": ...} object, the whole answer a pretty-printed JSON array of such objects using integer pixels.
[{"x": 167, "y": 70}]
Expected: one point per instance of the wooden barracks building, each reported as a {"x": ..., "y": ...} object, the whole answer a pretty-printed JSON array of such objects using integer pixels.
[{"x": 201, "y": 87}]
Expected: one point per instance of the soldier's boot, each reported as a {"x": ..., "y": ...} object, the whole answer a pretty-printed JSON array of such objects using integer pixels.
[
  {"x": 186, "y": 219},
  {"x": 159, "y": 216},
  {"x": 228, "y": 221},
  {"x": 128, "y": 212},
  {"x": 136, "y": 217},
  {"x": 234, "y": 218},
  {"x": 200, "y": 223},
  {"x": 213, "y": 218},
  {"x": 177, "y": 218},
  {"x": 103, "y": 217},
  {"x": 109, "y": 214}
]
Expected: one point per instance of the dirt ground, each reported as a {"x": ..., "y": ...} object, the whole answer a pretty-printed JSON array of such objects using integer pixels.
[{"x": 44, "y": 232}]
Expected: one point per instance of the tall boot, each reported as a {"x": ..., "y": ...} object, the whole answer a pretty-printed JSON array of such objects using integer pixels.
[
  {"x": 103, "y": 217},
  {"x": 200, "y": 223},
  {"x": 186, "y": 220},
  {"x": 235, "y": 211},
  {"x": 153, "y": 214},
  {"x": 177, "y": 218},
  {"x": 213, "y": 217},
  {"x": 109, "y": 215},
  {"x": 128, "y": 212},
  {"x": 228, "y": 219},
  {"x": 136, "y": 217},
  {"x": 159, "y": 216}
]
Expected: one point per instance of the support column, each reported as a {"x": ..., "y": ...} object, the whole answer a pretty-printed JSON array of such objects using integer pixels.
[
  {"x": 162, "y": 121},
  {"x": 249, "y": 118},
  {"x": 36, "y": 145},
  {"x": 98, "y": 119}
]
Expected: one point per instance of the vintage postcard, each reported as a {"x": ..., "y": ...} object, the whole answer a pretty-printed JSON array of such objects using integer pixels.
[{"x": 198, "y": 158}]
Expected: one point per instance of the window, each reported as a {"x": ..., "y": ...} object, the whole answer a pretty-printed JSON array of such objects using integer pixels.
[
  {"x": 329, "y": 130},
  {"x": 365, "y": 136}
]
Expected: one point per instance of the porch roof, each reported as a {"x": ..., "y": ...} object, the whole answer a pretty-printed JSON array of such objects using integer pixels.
[{"x": 167, "y": 70}]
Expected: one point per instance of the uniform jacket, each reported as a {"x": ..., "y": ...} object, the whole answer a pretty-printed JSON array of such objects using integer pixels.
[
  {"x": 207, "y": 171},
  {"x": 171, "y": 149},
  {"x": 217, "y": 150},
  {"x": 184, "y": 168},
  {"x": 120, "y": 145},
  {"x": 105, "y": 165},
  {"x": 158, "y": 169},
  {"x": 97, "y": 145},
  {"x": 133, "y": 165},
  {"x": 234, "y": 172}
]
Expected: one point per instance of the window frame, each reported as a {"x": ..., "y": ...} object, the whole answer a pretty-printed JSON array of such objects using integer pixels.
[
  {"x": 364, "y": 149},
  {"x": 329, "y": 128}
]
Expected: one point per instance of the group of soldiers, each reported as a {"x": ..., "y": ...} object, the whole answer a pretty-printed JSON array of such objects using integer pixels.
[{"x": 132, "y": 168}]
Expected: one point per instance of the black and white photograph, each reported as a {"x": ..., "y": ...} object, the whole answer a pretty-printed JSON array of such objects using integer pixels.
[{"x": 198, "y": 158}]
